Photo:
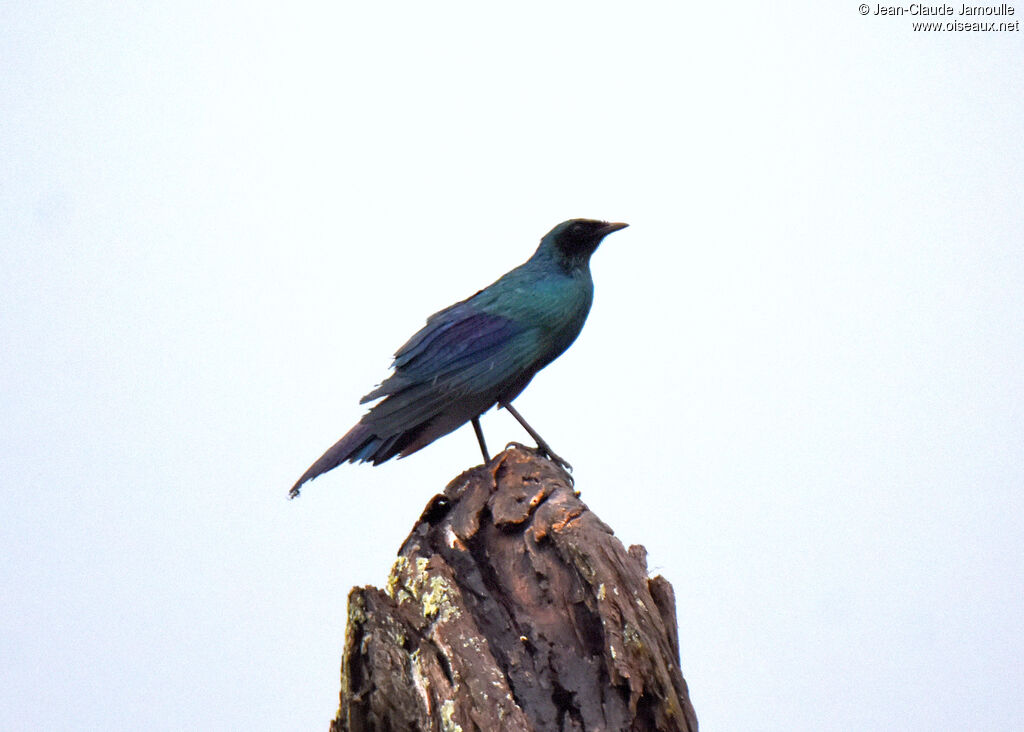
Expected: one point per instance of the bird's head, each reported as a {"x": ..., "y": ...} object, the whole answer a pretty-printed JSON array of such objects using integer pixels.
[{"x": 573, "y": 241}]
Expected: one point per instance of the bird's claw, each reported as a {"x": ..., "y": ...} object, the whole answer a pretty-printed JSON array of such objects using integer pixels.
[
  {"x": 561, "y": 462},
  {"x": 546, "y": 452}
]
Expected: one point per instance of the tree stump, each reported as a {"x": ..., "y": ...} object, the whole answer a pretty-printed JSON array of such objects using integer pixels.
[{"x": 512, "y": 607}]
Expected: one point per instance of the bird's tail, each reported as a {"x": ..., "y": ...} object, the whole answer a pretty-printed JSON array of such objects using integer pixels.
[{"x": 359, "y": 443}]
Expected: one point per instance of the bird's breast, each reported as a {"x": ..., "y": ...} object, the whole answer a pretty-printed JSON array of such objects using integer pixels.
[{"x": 556, "y": 308}]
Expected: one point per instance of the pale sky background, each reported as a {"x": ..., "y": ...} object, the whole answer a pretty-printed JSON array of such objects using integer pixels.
[{"x": 801, "y": 386}]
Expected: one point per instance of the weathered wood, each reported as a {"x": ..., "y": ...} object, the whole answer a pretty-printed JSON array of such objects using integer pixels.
[{"x": 513, "y": 607}]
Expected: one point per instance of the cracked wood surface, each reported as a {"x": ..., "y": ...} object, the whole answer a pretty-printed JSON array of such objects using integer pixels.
[{"x": 513, "y": 607}]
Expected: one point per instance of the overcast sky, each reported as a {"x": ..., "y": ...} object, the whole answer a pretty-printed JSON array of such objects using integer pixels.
[{"x": 800, "y": 386}]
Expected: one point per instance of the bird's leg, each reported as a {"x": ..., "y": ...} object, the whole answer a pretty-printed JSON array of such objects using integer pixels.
[
  {"x": 480, "y": 438},
  {"x": 543, "y": 446}
]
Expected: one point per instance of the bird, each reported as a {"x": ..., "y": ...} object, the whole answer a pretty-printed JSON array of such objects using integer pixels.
[{"x": 479, "y": 352}]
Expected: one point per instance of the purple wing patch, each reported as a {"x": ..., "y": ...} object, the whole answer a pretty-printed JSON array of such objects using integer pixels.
[{"x": 444, "y": 346}]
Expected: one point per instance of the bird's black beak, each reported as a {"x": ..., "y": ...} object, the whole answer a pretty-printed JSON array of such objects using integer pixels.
[{"x": 610, "y": 227}]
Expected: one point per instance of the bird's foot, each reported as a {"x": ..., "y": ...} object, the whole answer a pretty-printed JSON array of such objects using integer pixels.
[
  {"x": 542, "y": 447},
  {"x": 560, "y": 461},
  {"x": 546, "y": 452}
]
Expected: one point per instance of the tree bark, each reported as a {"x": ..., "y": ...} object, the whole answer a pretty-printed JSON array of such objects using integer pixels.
[{"x": 511, "y": 606}]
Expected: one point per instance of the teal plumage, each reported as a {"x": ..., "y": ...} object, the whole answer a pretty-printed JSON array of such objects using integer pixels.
[{"x": 478, "y": 352}]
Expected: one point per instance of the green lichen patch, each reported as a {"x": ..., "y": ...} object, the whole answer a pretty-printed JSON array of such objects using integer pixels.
[
  {"x": 413, "y": 582},
  {"x": 448, "y": 724}
]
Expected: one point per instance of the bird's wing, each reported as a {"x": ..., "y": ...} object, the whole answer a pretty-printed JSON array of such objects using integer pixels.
[
  {"x": 464, "y": 352},
  {"x": 437, "y": 323},
  {"x": 447, "y": 344}
]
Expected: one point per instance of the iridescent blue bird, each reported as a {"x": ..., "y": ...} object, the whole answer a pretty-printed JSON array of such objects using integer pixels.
[{"x": 477, "y": 353}]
